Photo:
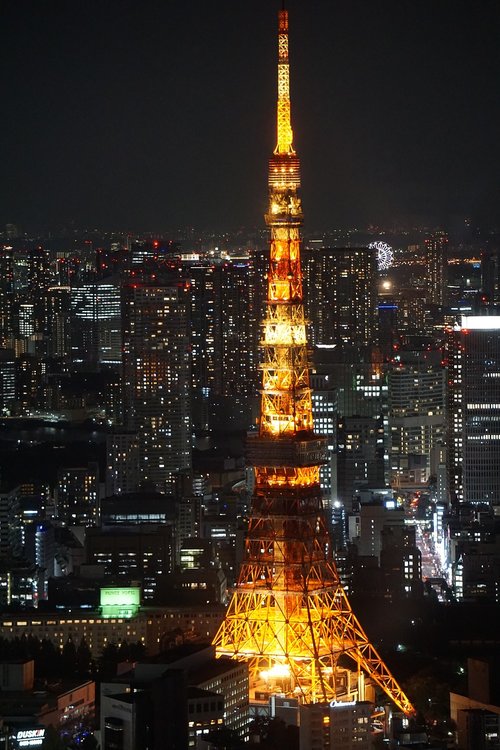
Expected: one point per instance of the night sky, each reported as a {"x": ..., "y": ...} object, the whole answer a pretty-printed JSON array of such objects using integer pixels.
[{"x": 152, "y": 115}]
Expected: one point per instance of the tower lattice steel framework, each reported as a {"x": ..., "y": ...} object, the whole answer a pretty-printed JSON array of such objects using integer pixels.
[{"x": 289, "y": 615}]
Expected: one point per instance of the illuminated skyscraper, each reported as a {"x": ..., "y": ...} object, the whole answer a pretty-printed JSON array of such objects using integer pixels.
[
  {"x": 236, "y": 356},
  {"x": 59, "y": 323},
  {"x": 437, "y": 266},
  {"x": 6, "y": 295},
  {"x": 202, "y": 275},
  {"x": 30, "y": 370},
  {"x": 122, "y": 462},
  {"x": 7, "y": 380},
  {"x": 31, "y": 281},
  {"x": 416, "y": 415},
  {"x": 360, "y": 457},
  {"x": 473, "y": 351},
  {"x": 341, "y": 299},
  {"x": 95, "y": 323},
  {"x": 490, "y": 274},
  {"x": 77, "y": 495},
  {"x": 157, "y": 378},
  {"x": 324, "y": 406},
  {"x": 223, "y": 325},
  {"x": 24, "y": 279},
  {"x": 289, "y": 615}
]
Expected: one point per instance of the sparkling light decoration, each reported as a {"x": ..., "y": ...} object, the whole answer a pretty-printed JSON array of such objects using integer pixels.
[
  {"x": 289, "y": 615},
  {"x": 385, "y": 255}
]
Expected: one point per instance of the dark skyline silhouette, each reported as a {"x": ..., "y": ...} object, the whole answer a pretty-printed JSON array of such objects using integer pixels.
[{"x": 162, "y": 114}]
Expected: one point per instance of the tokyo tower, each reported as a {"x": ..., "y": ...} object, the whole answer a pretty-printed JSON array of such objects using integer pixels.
[{"x": 289, "y": 615}]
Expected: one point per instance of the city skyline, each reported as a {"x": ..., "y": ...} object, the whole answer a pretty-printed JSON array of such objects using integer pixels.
[
  {"x": 150, "y": 512},
  {"x": 120, "y": 116}
]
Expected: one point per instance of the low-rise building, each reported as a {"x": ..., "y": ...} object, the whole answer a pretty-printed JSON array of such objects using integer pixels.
[
  {"x": 68, "y": 705},
  {"x": 210, "y": 692},
  {"x": 153, "y": 627},
  {"x": 477, "y": 714},
  {"x": 336, "y": 726}
]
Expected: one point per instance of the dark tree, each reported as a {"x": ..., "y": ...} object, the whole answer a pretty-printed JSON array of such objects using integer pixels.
[
  {"x": 68, "y": 661},
  {"x": 124, "y": 651},
  {"x": 227, "y": 739},
  {"x": 33, "y": 647},
  {"x": 137, "y": 651},
  {"x": 49, "y": 660},
  {"x": 19, "y": 648},
  {"x": 83, "y": 658},
  {"x": 52, "y": 740},
  {"x": 89, "y": 743},
  {"x": 274, "y": 733},
  {"x": 4, "y": 648},
  {"x": 108, "y": 660}
]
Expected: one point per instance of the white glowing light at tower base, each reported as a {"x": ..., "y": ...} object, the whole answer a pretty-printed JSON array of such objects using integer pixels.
[{"x": 277, "y": 671}]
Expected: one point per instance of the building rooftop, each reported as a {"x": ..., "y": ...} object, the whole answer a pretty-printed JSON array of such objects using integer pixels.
[
  {"x": 130, "y": 698},
  {"x": 213, "y": 668},
  {"x": 140, "y": 502},
  {"x": 196, "y": 692},
  {"x": 133, "y": 529},
  {"x": 27, "y": 702},
  {"x": 181, "y": 652}
]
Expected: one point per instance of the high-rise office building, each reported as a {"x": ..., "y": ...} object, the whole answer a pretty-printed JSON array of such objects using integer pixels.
[
  {"x": 11, "y": 532},
  {"x": 24, "y": 280},
  {"x": 341, "y": 300},
  {"x": 224, "y": 340},
  {"x": 59, "y": 323},
  {"x": 417, "y": 398},
  {"x": 96, "y": 323},
  {"x": 122, "y": 462},
  {"x": 436, "y": 248},
  {"x": 77, "y": 495},
  {"x": 237, "y": 355},
  {"x": 7, "y": 380},
  {"x": 388, "y": 327},
  {"x": 324, "y": 409},
  {"x": 361, "y": 462},
  {"x": 141, "y": 552},
  {"x": 109, "y": 322},
  {"x": 473, "y": 358},
  {"x": 202, "y": 275},
  {"x": 6, "y": 294},
  {"x": 412, "y": 313},
  {"x": 359, "y": 378},
  {"x": 84, "y": 326},
  {"x": 490, "y": 274},
  {"x": 31, "y": 281},
  {"x": 30, "y": 370},
  {"x": 401, "y": 561},
  {"x": 141, "y": 253},
  {"x": 157, "y": 378}
]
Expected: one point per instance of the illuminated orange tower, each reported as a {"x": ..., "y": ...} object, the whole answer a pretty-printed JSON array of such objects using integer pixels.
[{"x": 289, "y": 615}]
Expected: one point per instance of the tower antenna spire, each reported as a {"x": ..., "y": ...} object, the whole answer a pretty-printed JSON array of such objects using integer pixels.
[{"x": 284, "y": 117}]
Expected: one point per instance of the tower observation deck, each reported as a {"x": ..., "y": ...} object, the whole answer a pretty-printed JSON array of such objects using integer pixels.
[{"x": 289, "y": 615}]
